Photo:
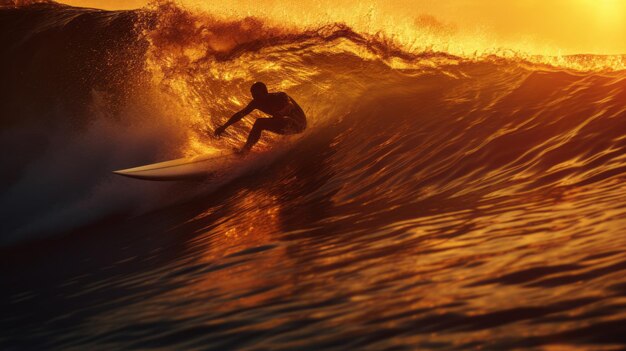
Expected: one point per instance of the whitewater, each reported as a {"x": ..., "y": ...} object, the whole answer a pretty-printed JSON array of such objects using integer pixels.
[{"x": 436, "y": 201}]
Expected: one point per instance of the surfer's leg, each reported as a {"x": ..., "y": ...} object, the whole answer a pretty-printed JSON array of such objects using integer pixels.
[{"x": 274, "y": 125}]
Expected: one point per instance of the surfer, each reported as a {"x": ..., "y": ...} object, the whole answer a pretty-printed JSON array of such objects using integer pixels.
[{"x": 287, "y": 116}]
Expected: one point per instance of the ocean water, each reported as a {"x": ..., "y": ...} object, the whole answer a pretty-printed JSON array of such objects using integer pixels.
[{"x": 435, "y": 201}]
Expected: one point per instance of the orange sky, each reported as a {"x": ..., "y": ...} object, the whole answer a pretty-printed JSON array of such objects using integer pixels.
[{"x": 535, "y": 26}]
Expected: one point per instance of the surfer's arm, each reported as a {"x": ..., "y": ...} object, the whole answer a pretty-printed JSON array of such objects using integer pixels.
[
  {"x": 235, "y": 118},
  {"x": 239, "y": 115}
]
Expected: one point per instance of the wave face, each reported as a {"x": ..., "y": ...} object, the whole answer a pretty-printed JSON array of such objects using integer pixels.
[{"x": 436, "y": 201}]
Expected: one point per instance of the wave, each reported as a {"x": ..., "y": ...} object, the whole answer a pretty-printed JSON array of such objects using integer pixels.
[{"x": 88, "y": 91}]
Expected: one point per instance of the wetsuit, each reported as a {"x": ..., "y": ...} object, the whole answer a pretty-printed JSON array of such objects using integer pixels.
[{"x": 287, "y": 117}]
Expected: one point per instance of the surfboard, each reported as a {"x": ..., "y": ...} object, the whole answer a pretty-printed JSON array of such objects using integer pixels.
[{"x": 191, "y": 168}]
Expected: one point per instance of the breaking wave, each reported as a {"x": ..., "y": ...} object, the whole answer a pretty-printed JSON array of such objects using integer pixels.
[{"x": 89, "y": 91}]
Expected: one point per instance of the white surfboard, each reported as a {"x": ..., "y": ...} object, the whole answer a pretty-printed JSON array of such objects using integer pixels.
[{"x": 193, "y": 168}]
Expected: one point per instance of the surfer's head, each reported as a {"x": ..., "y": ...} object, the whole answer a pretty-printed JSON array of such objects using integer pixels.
[{"x": 258, "y": 90}]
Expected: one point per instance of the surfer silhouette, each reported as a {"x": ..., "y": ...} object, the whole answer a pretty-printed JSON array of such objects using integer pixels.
[{"x": 287, "y": 115}]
